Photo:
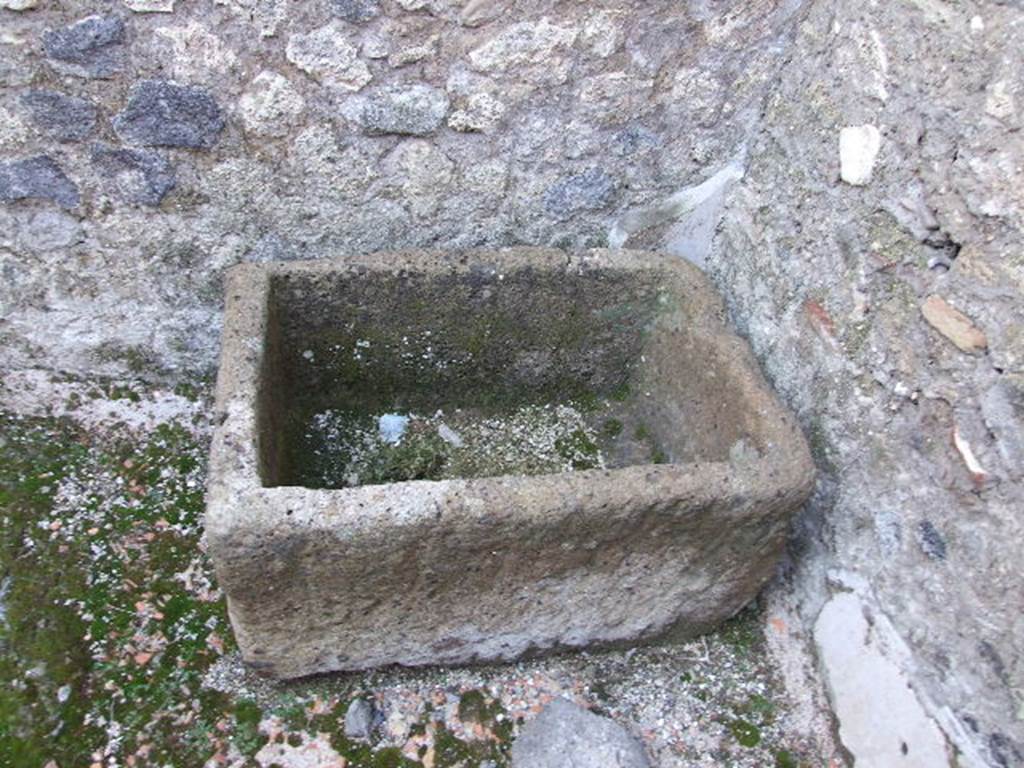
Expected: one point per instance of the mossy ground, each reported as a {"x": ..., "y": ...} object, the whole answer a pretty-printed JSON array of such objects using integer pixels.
[{"x": 115, "y": 648}]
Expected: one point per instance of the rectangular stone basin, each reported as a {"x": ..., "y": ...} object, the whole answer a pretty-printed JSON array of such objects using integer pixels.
[{"x": 428, "y": 458}]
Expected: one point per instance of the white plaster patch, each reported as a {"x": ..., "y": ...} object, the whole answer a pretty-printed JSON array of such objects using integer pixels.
[
  {"x": 858, "y": 150},
  {"x": 310, "y": 753},
  {"x": 881, "y": 721},
  {"x": 33, "y": 392},
  {"x": 699, "y": 208}
]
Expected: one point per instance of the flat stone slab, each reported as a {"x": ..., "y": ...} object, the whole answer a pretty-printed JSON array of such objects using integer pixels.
[
  {"x": 566, "y": 736},
  {"x": 658, "y": 514}
]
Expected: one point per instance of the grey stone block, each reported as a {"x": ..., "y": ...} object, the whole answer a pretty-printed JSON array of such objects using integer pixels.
[
  {"x": 164, "y": 114},
  {"x": 359, "y": 719},
  {"x": 140, "y": 176},
  {"x": 490, "y": 566},
  {"x": 355, "y": 10},
  {"x": 567, "y": 736},
  {"x": 414, "y": 110},
  {"x": 65, "y": 118},
  {"x": 591, "y": 190},
  {"x": 36, "y": 177},
  {"x": 90, "y": 48}
]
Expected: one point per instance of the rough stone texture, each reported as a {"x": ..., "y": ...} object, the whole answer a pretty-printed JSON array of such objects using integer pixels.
[
  {"x": 88, "y": 48},
  {"x": 493, "y": 568},
  {"x": 567, "y": 736},
  {"x": 295, "y": 172},
  {"x": 65, "y": 118},
  {"x": 326, "y": 55},
  {"x": 37, "y": 178},
  {"x": 920, "y": 444},
  {"x": 270, "y": 105},
  {"x": 137, "y": 176},
  {"x": 412, "y": 110},
  {"x": 164, "y": 114},
  {"x": 848, "y": 296},
  {"x": 359, "y": 719},
  {"x": 355, "y": 10},
  {"x": 150, "y": 6}
]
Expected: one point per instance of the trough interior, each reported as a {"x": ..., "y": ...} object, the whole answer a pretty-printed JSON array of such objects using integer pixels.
[{"x": 527, "y": 371}]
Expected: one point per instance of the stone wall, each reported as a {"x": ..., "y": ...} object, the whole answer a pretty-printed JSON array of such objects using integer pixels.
[
  {"x": 866, "y": 158},
  {"x": 874, "y": 256},
  {"x": 147, "y": 145}
]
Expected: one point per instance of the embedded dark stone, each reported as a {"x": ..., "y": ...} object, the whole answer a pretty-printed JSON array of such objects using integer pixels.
[
  {"x": 355, "y": 10},
  {"x": 62, "y": 117},
  {"x": 588, "y": 191},
  {"x": 140, "y": 176},
  {"x": 931, "y": 540},
  {"x": 88, "y": 48},
  {"x": 37, "y": 178},
  {"x": 634, "y": 139},
  {"x": 164, "y": 114}
]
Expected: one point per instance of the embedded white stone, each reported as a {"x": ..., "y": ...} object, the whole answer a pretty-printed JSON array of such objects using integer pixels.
[{"x": 858, "y": 150}]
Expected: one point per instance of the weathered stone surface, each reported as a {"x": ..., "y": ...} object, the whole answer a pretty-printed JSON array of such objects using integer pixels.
[
  {"x": 413, "y": 110},
  {"x": 564, "y": 735},
  {"x": 880, "y": 719},
  {"x": 355, "y": 10},
  {"x": 359, "y": 719},
  {"x": 51, "y": 230},
  {"x": 953, "y": 324},
  {"x": 481, "y": 112},
  {"x": 825, "y": 278},
  {"x": 92, "y": 47},
  {"x": 523, "y": 43},
  {"x": 65, "y": 118},
  {"x": 18, "y": 5},
  {"x": 586, "y": 558},
  {"x": 602, "y": 33},
  {"x": 587, "y": 191},
  {"x": 38, "y": 178},
  {"x": 328, "y": 57},
  {"x": 422, "y": 172},
  {"x": 478, "y": 12},
  {"x": 139, "y": 176},
  {"x": 270, "y": 106},
  {"x": 919, "y": 496},
  {"x": 165, "y": 114},
  {"x": 150, "y": 6}
]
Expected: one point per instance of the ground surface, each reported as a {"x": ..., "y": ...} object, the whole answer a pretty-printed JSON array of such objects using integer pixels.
[{"x": 115, "y": 647}]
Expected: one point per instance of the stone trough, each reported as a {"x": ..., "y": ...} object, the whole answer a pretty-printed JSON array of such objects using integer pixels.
[{"x": 474, "y": 456}]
